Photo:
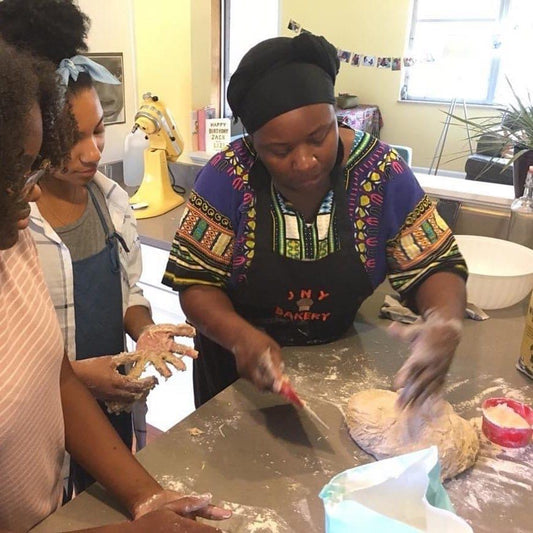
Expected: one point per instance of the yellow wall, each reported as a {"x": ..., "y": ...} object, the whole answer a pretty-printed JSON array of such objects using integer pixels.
[
  {"x": 380, "y": 28},
  {"x": 173, "y": 60},
  {"x": 162, "y": 32},
  {"x": 201, "y": 53}
]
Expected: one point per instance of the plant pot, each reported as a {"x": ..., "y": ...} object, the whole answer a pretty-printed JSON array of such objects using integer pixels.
[{"x": 520, "y": 167}]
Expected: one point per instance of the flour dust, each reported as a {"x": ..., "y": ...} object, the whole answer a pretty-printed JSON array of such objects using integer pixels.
[{"x": 493, "y": 495}]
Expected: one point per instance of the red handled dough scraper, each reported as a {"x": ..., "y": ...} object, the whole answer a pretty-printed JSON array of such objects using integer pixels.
[{"x": 289, "y": 393}]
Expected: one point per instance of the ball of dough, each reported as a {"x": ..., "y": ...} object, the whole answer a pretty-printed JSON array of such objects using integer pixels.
[{"x": 383, "y": 431}]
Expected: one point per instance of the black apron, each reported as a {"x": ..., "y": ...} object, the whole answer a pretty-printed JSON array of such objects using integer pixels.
[
  {"x": 295, "y": 302},
  {"x": 99, "y": 323}
]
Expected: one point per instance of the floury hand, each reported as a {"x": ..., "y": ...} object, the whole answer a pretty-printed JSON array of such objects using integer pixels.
[
  {"x": 258, "y": 359},
  {"x": 433, "y": 342}
]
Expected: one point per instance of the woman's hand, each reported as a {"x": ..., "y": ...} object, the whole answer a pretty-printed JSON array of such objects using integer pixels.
[
  {"x": 257, "y": 355},
  {"x": 433, "y": 342},
  {"x": 188, "y": 506},
  {"x": 164, "y": 520},
  {"x": 259, "y": 360},
  {"x": 168, "y": 521},
  {"x": 102, "y": 378}
]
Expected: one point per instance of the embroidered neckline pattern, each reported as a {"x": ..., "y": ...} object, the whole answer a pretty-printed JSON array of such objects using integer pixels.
[{"x": 296, "y": 239}]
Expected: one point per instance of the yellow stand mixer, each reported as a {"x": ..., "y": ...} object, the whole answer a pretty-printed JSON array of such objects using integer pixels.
[{"x": 156, "y": 196}]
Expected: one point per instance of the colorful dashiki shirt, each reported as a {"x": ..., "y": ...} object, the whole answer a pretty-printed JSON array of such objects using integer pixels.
[
  {"x": 397, "y": 230},
  {"x": 297, "y": 239}
]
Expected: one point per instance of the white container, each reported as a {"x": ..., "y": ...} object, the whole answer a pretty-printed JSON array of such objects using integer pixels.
[
  {"x": 134, "y": 146},
  {"x": 501, "y": 272}
]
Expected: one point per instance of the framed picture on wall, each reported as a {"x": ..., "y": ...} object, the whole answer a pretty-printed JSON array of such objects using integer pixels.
[{"x": 111, "y": 96}]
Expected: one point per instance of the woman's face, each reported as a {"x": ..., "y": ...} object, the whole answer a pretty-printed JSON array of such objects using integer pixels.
[
  {"x": 86, "y": 153},
  {"x": 17, "y": 218},
  {"x": 299, "y": 148}
]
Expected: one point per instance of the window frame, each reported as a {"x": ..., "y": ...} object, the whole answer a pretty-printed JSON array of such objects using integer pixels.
[
  {"x": 225, "y": 9},
  {"x": 492, "y": 81},
  {"x": 225, "y": 15}
]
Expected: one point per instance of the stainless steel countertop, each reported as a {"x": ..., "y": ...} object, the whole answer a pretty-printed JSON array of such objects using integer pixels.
[
  {"x": 159, "y": 231},
  {"x": 270, "y": 460}
]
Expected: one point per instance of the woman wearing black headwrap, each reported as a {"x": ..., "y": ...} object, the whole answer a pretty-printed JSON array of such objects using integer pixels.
[{"x": 289, "y": 229}]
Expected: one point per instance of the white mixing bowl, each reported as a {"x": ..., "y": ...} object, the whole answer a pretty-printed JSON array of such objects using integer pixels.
[{"x": 501, "y": 272}]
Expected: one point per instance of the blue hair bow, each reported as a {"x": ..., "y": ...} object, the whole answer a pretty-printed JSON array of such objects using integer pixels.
[{"x": 71, "y": 68}]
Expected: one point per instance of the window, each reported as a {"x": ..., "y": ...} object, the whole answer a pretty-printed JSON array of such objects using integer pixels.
[
  {"x": 467, "y": 49},
  {"x": 246, "y": 23}
]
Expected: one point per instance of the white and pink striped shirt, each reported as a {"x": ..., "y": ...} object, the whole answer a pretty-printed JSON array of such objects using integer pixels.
[{"x": 31, "y": 418}]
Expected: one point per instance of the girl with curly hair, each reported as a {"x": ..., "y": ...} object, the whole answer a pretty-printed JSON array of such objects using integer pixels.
[
  {"x": 84, "y": 228},
  {"x": 37, "y": 384}
]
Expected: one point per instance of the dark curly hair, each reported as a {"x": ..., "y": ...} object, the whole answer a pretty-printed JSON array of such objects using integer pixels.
[
  {"x": 24, "y": 81},
  {"x": 55, "y": 29},
  {"x": 52, "y": 29}
]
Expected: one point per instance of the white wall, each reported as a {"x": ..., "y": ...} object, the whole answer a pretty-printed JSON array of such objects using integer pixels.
[{"x": 112, "y": 31}]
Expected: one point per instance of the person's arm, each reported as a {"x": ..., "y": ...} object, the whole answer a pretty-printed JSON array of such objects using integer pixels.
[
  {"x": 445, "y": 292},
  {"x": 426, "y": 268},
  {"x": 100, "y": 374},
  {"x": 166, "y": 519},
  {"x": 441, "y": 300},
  {"x": 136, "y": 319},
  {"x": 210, "y": 310},
  {"x": 138, "y": 322},
  {"x": 175, "y": 517},
  {"x": 138, "y": 314},
  {"x": 93, "y": 443}
]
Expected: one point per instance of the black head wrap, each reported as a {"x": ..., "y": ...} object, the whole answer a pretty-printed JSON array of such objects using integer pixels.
[{"x": 281, "y": 74}]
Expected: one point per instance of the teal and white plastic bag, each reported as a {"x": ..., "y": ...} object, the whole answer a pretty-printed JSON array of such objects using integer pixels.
[{"x": 401, "y": 494}]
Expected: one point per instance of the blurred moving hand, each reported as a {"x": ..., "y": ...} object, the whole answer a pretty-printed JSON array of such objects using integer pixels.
[{"x": 433, "y": 341}]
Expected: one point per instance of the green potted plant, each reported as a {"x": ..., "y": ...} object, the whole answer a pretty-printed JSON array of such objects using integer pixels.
[{"x": 512, "y": 126}]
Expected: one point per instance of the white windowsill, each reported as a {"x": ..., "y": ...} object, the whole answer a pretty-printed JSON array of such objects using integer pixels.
[
  {"x": 493, "y": 107},
  {"x": 470, "y": 191}
]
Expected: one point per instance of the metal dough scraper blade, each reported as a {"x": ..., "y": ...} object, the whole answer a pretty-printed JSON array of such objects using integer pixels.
[{"x": 289, "y": 393}]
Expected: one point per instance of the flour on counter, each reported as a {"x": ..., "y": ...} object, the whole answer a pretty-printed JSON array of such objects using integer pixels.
[
  {"x": 452, "y": 386},
  {"x": 496, "y": 387},
  {"x": 214, "y": 424},
  {"x": 326, "y": 382},
  {"x": 249, "y": 519},
  {"x": 492, "y": 489},
  {"x": 213, "y": 427},
  {"x": 246, "y": 518},
  {"x": 172, "y": 483},
  {"x": 302, "y": 507}
]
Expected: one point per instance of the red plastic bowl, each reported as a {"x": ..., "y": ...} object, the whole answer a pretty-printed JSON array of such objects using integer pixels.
[{"x": 508, "y": 437}]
